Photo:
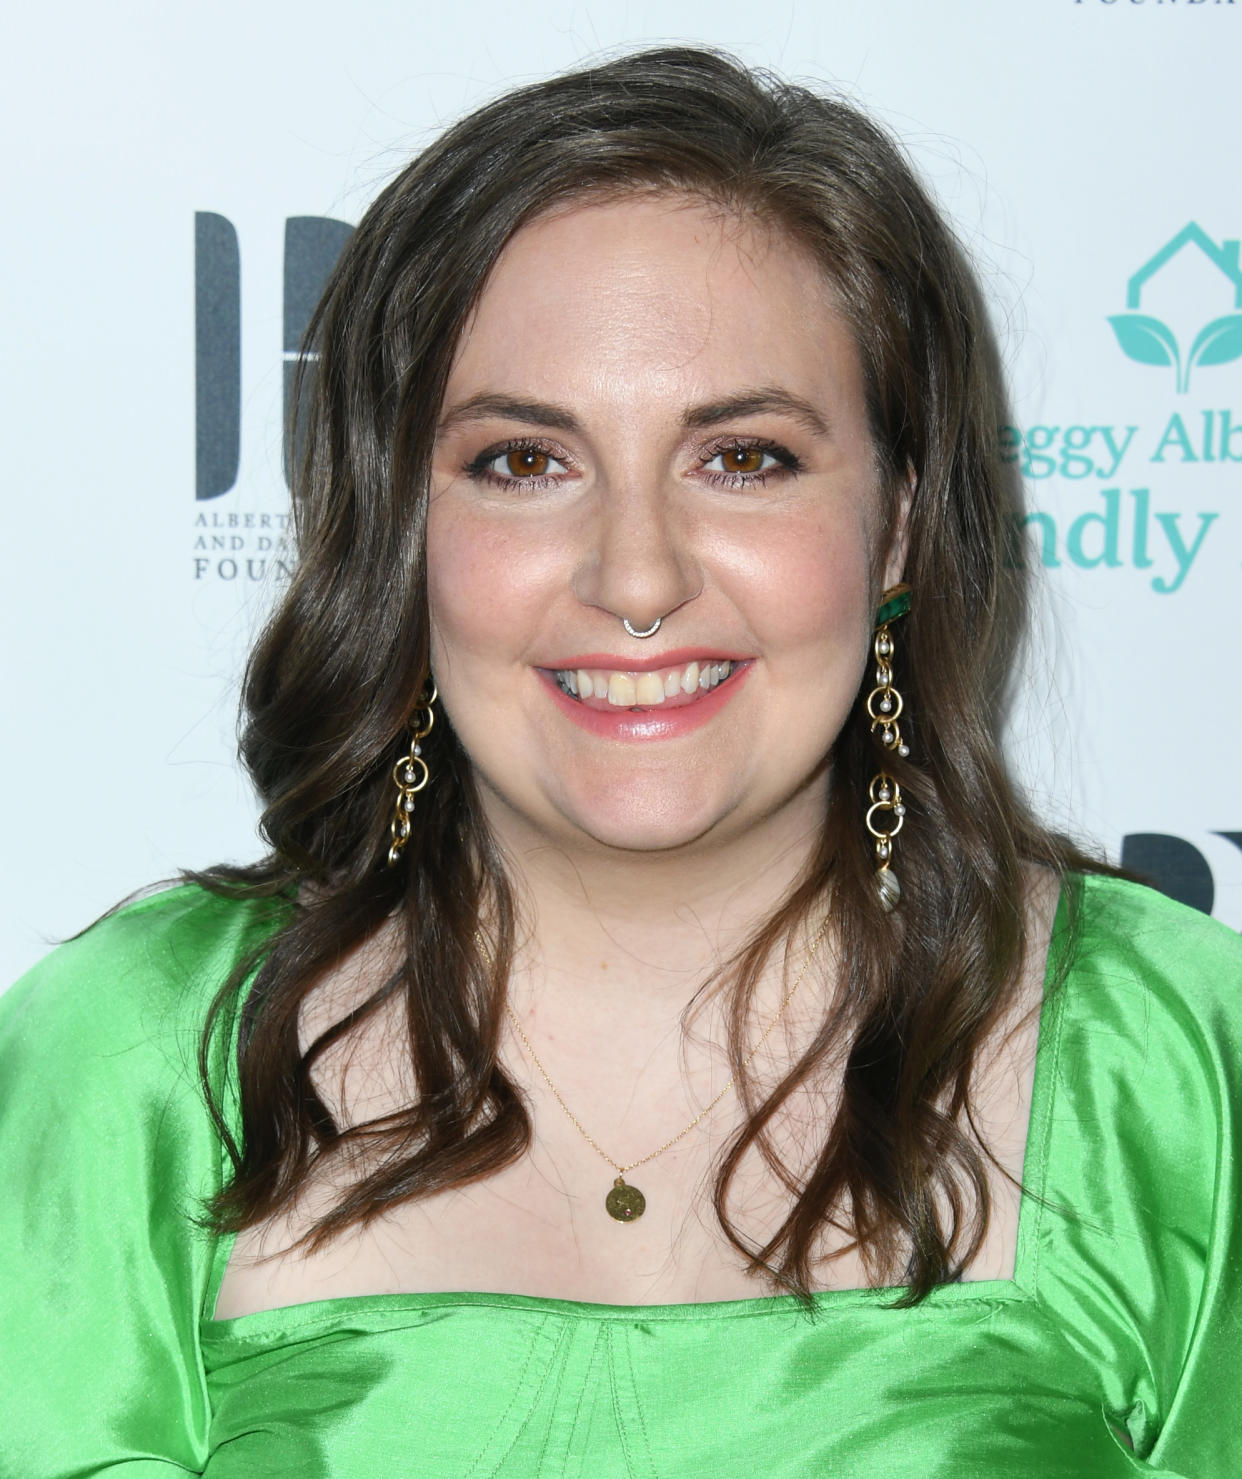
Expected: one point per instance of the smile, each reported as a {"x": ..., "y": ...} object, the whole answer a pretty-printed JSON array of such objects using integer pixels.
[{"x": 671, "y": 687}]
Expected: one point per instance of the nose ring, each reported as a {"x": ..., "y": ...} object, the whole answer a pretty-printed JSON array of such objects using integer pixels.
[{"x": 650, "y": 632}]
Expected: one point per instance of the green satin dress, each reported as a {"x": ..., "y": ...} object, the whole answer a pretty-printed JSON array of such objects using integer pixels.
[{"x": 1124, "y": 1315}]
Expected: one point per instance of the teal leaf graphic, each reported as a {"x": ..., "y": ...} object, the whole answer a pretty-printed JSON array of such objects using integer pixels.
[
  {"x": 1146, "y": 339},
  {"x": 1218, "y": 342}
]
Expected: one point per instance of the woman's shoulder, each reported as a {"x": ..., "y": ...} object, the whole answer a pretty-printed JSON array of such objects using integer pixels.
[
  {"x": 110, "y": 1156},
  {"x": 141, "y": 978},
  {"x": 1130, "y": 945},
  {"x": 1144, "y": 1026},
  {"x": 1134, "y": 1162}
]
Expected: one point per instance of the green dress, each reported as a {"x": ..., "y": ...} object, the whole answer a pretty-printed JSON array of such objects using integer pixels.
[{"x": 1124, "y": 1315}]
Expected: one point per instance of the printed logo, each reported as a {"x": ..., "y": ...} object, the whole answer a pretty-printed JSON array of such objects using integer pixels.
[
  {"x": 312, "y": 246},
  {"x": 1176, "y": 866},
  {"x": 1143, "y": 518},
  {"x": 1149, "y": 341},
  {"x": 231, "y": 542},
  {"x": 1186, "y": 4}
]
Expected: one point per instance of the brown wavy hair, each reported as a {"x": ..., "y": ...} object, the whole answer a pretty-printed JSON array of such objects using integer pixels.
[{"x": 332, "y": 683}]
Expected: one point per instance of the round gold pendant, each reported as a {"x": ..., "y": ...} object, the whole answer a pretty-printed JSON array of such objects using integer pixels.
[{"x": 624, "y": 1203}]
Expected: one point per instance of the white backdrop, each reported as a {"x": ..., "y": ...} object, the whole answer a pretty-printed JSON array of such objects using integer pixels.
[{"x": 1074, "y": 141}]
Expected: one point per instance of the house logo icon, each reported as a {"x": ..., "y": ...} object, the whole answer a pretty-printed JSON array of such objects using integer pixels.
[{"x": 1151, "y": 342}]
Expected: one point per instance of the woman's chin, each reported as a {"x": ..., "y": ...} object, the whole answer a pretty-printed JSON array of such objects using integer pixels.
[
  {"x": 650, "y": 818},
  {"x": 628, "y": 836},
  {"x": 666, "y": 812}
]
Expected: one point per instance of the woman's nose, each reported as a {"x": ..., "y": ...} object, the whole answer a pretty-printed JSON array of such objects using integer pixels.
[{"x": 638, "y": 563}]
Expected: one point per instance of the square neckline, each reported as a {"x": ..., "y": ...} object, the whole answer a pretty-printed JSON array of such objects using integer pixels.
[{"x": 1020, "y": 1288}]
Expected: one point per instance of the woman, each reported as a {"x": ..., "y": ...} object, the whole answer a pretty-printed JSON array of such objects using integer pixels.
[{"x": 628, "y": 1057}]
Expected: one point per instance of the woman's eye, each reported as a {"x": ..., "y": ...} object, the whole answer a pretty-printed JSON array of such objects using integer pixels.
[
  {"x": 742, "y": 459},
  {"x": 746, "y": 460},
  {"x": 525, "y": 462}
]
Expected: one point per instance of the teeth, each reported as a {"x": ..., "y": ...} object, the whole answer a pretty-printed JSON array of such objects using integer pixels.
[{"x": 643, "y": 690}]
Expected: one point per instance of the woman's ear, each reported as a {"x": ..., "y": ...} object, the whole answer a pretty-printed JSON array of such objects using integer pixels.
[{"x": 899, "y": 530}]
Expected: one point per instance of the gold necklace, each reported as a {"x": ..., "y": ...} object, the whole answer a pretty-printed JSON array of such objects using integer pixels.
[{"x": 625, "y": 1203}]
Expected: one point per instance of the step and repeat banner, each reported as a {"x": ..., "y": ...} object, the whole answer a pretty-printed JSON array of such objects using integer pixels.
[{"x": 182, "y": 179}]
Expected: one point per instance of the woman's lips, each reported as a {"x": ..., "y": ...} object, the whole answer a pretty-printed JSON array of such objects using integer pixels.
[
  {"x": 612, "y": 715},
  {"x": 671, "y": 686}
]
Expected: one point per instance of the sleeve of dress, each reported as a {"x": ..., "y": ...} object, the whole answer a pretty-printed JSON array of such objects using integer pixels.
[
  {"x": 1201, "y": 1435},
  {"x": 108, "y": 1154},
  {"x": 1142, "y": 1259}
]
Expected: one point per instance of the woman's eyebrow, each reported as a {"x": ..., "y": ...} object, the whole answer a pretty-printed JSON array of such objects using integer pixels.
[
  {"x": 765, "y": 400},
  {"x": 509, "y": 408}
]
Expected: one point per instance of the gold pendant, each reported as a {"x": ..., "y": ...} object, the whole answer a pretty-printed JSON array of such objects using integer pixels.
[{"x": 624, "y": 1203}]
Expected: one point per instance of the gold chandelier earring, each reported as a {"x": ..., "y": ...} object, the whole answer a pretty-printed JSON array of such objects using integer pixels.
[
  {"x": 410, "y": 772},
  {"x": 886, "y": 813}
]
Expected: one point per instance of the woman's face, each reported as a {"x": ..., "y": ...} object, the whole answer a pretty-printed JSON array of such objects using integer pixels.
[{"x": 655, "y": 412}]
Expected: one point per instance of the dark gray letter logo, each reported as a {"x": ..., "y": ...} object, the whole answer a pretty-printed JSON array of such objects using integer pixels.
[
  {"x": 312, "y": 246},
  {"x": 217, "y": 355},
  {"x": 1174, "y": 866}
]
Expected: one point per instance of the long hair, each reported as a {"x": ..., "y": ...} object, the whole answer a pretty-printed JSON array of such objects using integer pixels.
[{"x": 332, "y": 683}]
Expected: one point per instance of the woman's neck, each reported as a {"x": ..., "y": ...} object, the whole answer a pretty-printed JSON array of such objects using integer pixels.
[{"x": 647, "y": 926}]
